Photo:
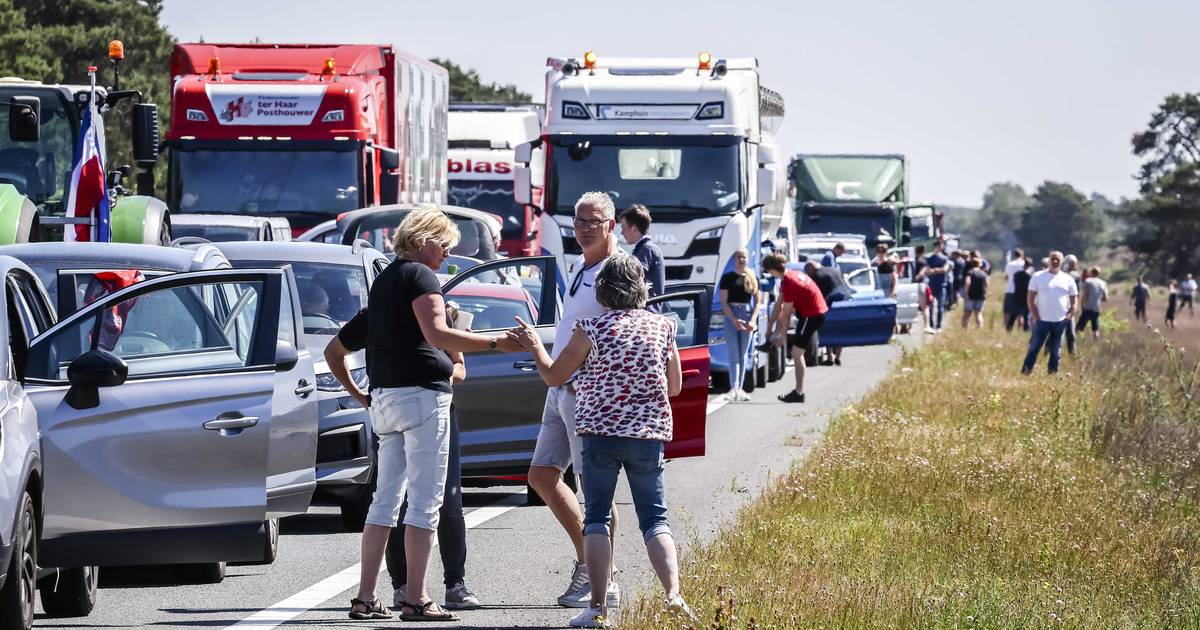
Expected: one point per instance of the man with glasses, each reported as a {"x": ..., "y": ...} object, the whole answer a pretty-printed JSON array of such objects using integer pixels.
[
  {"x": 557, "y": 445},
  {"x": 1052, "y": 297}
]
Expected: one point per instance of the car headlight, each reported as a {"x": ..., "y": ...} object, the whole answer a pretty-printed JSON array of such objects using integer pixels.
[
  {"x": 716, "y": 324},
  {"x": 327, "y": 382}
]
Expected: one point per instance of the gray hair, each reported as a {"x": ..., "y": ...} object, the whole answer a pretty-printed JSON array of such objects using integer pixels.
[
  {"x": 621, "y": 283},
  {"x": 597, "y": 200}
]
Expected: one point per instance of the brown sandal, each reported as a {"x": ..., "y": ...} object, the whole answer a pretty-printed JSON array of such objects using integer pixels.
[
  {"x": 375, "y": 610},
  {"x": 421, "y": 612}
]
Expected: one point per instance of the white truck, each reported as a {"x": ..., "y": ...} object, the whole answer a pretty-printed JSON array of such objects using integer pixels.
[
  {"x": 689, "y": 138},
  {"x": 483, "y": 137}
]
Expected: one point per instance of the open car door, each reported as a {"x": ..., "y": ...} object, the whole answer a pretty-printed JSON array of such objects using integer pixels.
[
  {"x": 155, "y": 410},
  {"x": 689, "y": 410},
  {"x": 499, "y": 406},
  {"x": 862, "y": 316}
]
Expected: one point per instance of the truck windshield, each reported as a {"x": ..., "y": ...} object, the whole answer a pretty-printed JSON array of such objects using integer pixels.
[
  {"x": 676, "y": 177},
  {"x": 39, "y": 169},
  {"x": 320, "y": 183},
  {"x": 870, "y": 224},
  {"x": 495, "y": 197}
]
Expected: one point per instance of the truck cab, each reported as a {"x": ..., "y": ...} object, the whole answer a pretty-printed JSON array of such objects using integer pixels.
[{"x": 483, "y": 140}]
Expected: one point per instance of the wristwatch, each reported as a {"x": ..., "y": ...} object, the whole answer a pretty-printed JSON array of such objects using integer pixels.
[{"x": 492, "y": 343}]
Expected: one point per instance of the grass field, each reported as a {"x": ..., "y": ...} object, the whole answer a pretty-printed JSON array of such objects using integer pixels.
[{"x": 963, "y": 495}]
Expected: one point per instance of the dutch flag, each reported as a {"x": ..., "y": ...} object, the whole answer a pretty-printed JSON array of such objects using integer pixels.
[{"x": 88, "y": 194}]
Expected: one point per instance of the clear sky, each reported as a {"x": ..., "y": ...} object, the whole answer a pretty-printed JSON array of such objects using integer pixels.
[{"x": 973, "y": 92}]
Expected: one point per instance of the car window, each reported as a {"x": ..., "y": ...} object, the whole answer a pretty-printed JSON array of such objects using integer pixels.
[
  {"x": 474, "y": 236},
  {"x": 861, "y": 280},
  {"x": 171, "y": 330},
  {"x": 683, "y": 311},
  {"x": 330, "y": 294},
  {"x": 494, "y": 296}
]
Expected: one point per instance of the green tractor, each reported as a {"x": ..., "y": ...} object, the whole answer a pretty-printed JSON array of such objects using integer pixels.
[{"x": 37, "y": 154}]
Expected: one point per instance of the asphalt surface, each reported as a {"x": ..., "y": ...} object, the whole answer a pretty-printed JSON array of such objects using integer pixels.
[{"x": 519, "y": 560}]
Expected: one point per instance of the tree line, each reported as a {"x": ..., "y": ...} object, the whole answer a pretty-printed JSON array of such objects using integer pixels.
[{"x": 1157, "y": 232}]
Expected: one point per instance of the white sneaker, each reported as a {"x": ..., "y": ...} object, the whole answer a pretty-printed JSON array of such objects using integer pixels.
[
  {"x": 590, "y": 617},
  {"x": 742, "y": 396},
  {"x": 676, "y": 606},
  {"x": 612, "y": 596},
  {"x": 579, "y": 591}
]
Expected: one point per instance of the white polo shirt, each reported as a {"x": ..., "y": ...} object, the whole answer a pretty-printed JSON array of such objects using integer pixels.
[{"x": 579, "y": 301}]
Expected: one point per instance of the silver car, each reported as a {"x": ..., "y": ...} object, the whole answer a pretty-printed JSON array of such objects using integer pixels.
[
  {"x": 333, "y": 283},
  {"x": 176, "y": 417},
  {"x": 230, "y": 227}
]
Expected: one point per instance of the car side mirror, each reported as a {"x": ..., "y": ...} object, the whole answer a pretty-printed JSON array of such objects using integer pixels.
[
  {"x": 89, "y": 372},
  {"x": 24, "y": 114},
  {"x": 766, "y": 185},
  {"x": 286, "y": 356},
  {"x": 389, "y": 158}
]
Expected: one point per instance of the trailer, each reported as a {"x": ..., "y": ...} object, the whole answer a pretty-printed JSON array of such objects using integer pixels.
[{"x": 304, "y": 131}]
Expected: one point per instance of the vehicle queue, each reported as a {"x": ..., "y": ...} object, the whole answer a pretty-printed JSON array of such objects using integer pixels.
[{"x": 167, "y": 401}]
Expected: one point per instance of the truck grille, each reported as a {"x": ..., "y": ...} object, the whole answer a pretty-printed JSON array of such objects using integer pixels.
[{"x": 679, "y": 272}]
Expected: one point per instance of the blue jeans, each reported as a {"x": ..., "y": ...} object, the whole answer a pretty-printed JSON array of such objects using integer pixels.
[
  {"x": 603, "y": 458},
  {"x": 939, "y": 304},
  {"x": 1049, "y": 334},
  {"x": 737, "y": 346}
]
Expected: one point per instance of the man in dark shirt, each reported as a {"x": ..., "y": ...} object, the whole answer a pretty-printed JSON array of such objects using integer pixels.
[
  {"x": 959, "y": 260},
  {"x": 937, "y": 270},
  {"x": 828, "y": 279},
  {"x": 1020, "y": 306},
  {"x": 635, "y": 228}
]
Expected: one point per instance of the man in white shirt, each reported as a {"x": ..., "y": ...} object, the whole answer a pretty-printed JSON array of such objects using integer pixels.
[
  {"x": 1052, "y": 297},
  {"x": 1012, "y": 307},
  {"x": 557, "y": 445},
  {"x": 1187, "y": 294}
]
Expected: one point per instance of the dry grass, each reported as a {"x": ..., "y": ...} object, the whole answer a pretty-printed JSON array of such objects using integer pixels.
[{"x": 961, "y": 495}]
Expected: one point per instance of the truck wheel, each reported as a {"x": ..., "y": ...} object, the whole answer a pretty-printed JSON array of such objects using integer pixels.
[
  {"x": 812, "y": 353},
  {"x": 17, "y": 596},
  {"x": 72, "y": 593},
  {"x": 18, "y": 217},
  {"x": 720, "y": 382},
  {"x": 775, "y": 364},
  {"x": 203, "y": 573}
]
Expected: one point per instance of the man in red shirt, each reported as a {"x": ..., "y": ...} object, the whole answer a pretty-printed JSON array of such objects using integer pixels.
[{"x": 799, "y": 294}]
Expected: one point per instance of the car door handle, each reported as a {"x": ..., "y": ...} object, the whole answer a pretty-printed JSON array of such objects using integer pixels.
[
  {"x": 231, "y": 420},
  {"x": 525, "y": 366},
  {"x": 304, "y": 388},
  {"x": 691, "y": 374}
]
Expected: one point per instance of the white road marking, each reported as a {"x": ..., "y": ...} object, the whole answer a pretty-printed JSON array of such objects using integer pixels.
[{"x": 325, "y": 590}]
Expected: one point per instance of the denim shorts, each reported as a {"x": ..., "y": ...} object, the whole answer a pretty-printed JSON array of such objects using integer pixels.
[
  {"x": 603, "y": 458},
  {"x": 413, "y": 425}
]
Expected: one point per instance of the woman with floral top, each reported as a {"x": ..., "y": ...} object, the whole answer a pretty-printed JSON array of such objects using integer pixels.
[{"x": 625, "y": 367}]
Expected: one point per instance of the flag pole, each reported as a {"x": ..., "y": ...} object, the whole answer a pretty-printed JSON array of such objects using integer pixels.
[{"x": 94, "y": 228}]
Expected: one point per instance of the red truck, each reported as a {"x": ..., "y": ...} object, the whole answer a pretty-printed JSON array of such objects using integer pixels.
[{"x": 304, "y": 131}]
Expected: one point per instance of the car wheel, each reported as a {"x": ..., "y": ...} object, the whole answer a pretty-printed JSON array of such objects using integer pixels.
[
  {"x": 270, "y": 542},
  {"x": 203, "y": 573},
  {"x": 71, "y": 593},
  {"x": 720, "y": 382},
  {"x": 812, "y": 352},
  {"x": 17, "y": 596},
  {"x": 532, "y": 498}
]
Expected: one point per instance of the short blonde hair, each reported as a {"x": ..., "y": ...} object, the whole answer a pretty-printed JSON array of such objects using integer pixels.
[{"x": 421, "y": 226}]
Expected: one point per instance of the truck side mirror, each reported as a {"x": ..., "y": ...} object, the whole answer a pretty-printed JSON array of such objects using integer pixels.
[
  {"x": 766, "y": 184},
  {"x": 522, "y": 185},
  {"x": 145, "y": 134},
  {"x": 24, "y": 114},
  {"x": 523, "y": 153}
]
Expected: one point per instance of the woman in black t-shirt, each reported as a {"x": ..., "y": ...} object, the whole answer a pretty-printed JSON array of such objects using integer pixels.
[
  {"x": 740, "y": 304},
  {"x": 885, "y": 271},
  {"x": 410, "y": 407}
]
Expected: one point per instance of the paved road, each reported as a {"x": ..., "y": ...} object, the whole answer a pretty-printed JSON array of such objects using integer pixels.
[{"x": 518, "y": 558}]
